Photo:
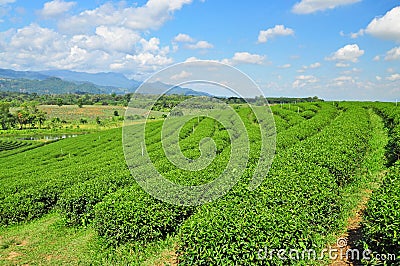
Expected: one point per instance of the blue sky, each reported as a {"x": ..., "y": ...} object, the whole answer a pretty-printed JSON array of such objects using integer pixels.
[{"x": 334, "y": 49}]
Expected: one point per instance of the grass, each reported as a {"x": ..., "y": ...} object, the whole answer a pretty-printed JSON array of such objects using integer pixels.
[{"x": 47, "y": 241}]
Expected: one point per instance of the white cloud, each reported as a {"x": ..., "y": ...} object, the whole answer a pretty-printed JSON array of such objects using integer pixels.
[
  {"x": 393, "y": 54},
  {"x": 191, "y": 59},
  {"x": 56, "y": 8},
  {"x": 304, "y": 80},
  {"x": 108, "y": 49},
  {"x": 342, "y": 80},
  {"x": 394, "y": 77},
  {"x": 285, "y": 66},
  {"x": 340, "y": 64},
  {"x": 377, "y": 58},
  {"x": 181, "y": 37},
  {"x": 199, "y": 45},
  {"x": 108, "y": 39},
  {"x": 311, "y": 6},
  {"x": 247, "y": 58},
  {"x": 349, "y": 53},
  {"x": 315, "y": 65},
  {"x": 357, "y": 34},
  {"x": 152, "y": 15},
  {"x": 386, "y": 27},
  {"x": 312, "y": 66},
  {"x": 351, "y": 71},
  {"x": 278, "y": 30},
  {"x": 183, "y": 75},
  {"x": 378, "y": 78}
]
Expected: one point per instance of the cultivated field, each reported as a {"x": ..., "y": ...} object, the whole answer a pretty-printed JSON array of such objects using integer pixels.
[{"x": 335, "y": 174}]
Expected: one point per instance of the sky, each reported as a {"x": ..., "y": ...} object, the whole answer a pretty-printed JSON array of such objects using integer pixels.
[{"x": 333, "y": 49}]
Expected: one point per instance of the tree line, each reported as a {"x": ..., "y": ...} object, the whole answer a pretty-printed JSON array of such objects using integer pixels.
[{"x": 27, "y": 116}]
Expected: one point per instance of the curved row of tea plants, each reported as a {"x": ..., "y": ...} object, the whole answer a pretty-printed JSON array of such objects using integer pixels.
[
  {"x": 33, "y": 183},
  {"x": 381, "y": 221},
  {"x": 126, "y": 206},
  {"x": 6, "y": 145},
  {"x": 296, "y": 207}
]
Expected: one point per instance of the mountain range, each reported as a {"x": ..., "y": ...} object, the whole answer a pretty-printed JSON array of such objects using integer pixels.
[{"x": 66, "y": 81}]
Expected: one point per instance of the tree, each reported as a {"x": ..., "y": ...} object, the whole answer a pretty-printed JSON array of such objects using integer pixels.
[
  {"x": 40, "y": 118},
  {"x": 22, "y": 118},
  {"x": 6, "y": 118},
  {"x": 59, "y": 102},
  {"x": 80, "y": 102}
]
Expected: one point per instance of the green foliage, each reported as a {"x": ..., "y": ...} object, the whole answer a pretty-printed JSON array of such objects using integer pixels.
[
  {"x": 380, "y": 227},
  {"x": 297, "y": 206},
  {"x": 10, "y": 145},
  {"x": 34, "y": 182}
]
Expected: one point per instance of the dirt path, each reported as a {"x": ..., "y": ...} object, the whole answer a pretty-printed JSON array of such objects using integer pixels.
[{"x": 353, "y": 234}]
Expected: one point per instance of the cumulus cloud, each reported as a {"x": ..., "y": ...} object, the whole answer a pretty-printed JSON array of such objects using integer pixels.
[
  {"x": 304, "y": 80},
  {"x": 181, "y": 37},
  {"x": 311, "y": 6},
  {"x": 311, "y": 66},
  {"x": 315, "y": 65},
  {"x": 245, "y": 58},
  {"x": 340, "y": 81},
  {"x": 386, "y": 27},
  {"x": 199, "y": 45},
  {"x": 109, "y": 48},
  {"x": 393, "y": 77},
  {"x": 152, "y": 15},
  {"x": 351, "y": 71},
  {"x": 56, "y": 8},
  {"x": 377, "y": 58},
  {"x": 341, "y": 64},
  {"x": 113, "y": 36},
  {"x": 191, "y": 59},
  {"x": 393, "y": 54},
  {"x": 278, "y": 30},
  {"x": 349, "y": 53},
  {"x": 108, "y": 39},
  {"x": 183, "y": 75}
]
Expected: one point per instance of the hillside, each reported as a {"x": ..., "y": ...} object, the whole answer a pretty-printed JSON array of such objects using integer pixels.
[{"x": 63, "y": 81}]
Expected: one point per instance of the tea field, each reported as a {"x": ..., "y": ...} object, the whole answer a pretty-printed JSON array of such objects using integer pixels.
[{"x": 75, "y": 202}]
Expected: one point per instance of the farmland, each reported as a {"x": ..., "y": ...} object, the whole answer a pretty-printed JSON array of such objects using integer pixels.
[{"x": 74, "y": 201}]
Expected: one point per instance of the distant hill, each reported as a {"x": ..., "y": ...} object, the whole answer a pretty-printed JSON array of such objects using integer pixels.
[
  {"x": 12, "y": 74},
  {"x": 65, "y": 81},
  {"x": 109, "y": 79},
  {"x": 49, "y": 85}
]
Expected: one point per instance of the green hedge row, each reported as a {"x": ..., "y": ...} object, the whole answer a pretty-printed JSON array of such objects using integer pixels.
[
  {"x": 129, "y": 205},
  {"x": 381, "y": 221},
  {"x": 296, "y": 207}
]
